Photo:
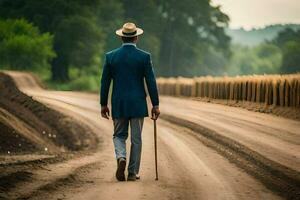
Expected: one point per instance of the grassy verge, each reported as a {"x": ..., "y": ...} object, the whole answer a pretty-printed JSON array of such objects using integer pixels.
[{"x": 80, "y": 80}]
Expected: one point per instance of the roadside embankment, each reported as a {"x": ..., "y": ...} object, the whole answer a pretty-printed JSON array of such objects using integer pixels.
[
  {"x": 34, "y": 123},
  {"x": 33, "y": 135}
]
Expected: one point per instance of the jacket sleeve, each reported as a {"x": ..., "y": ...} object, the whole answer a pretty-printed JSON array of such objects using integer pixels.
[
  {"x": 151, "y": 82},
  {"x": 105, "y": 82}
]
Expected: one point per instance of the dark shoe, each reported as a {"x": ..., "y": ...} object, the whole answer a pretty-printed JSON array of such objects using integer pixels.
[
  {"x": 120, "y": 170},
  {"x": 137, "y": 177},
  {"x": 131, "y": 177}
]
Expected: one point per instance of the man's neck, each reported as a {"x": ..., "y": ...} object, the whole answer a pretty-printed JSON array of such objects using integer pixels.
[{"x": 129, "y": 43}]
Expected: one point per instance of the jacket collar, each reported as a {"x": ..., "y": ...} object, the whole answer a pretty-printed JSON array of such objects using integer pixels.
[{"x": 129, "y": 44}]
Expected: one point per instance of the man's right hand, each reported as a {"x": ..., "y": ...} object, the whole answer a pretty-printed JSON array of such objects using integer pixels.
[
  {"x": 105, "y": 112},
  {"x": 155, "y": 112}
]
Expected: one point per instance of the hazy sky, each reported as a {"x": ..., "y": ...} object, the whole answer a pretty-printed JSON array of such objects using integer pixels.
[{"x": 258, "y": 13}]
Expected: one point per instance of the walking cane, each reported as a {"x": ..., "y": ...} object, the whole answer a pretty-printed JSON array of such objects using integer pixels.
[{"x": 155, "y": 149}]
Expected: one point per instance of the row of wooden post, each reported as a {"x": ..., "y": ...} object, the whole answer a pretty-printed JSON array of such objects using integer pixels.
[{"x": 278, "y": 90}]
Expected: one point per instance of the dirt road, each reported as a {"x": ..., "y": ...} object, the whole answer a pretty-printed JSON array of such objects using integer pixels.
[{"x": 191, "y": 166}]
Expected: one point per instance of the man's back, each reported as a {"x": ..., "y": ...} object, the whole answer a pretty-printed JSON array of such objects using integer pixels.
[
  {"x": 128, "y": 70},
  {"x": 127, "y": 66}
]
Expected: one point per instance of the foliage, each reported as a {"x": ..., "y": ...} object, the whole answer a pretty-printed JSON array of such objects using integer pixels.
[
  {"x": 289, "y": 42},
  {"x": 186, "y": 27},
  {"x": 109, "y": 16},
  {"x": 261, "y": 59},
  {"x": 186, "y": 38},
  {"x": 212, "y": 62},
  {"x": 257, "y": 36},
  {"x": 77, "y": 38},
  {"x": 22, "y": 46},
  {"x": 281, "y": 55},
  {"x": 291, "y": 57},
  {"x": 177, "y": 33},
  {"x": 80, "y": 80}
]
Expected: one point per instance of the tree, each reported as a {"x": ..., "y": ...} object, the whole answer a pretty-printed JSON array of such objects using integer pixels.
[
  {"x": 77, "y": 44},
  {"x": 289, "y": 42},
  {"x": 185, "y": 37},
  {"x": 23, "y": 47},
  {"x": 268, "y": 59},
  {"x": 187, "y": 26},
  {"x": 286, "y": 35},
  {"x": 261, "y": 59},
  {"x": 146, "y": 15},
  {"x": 51, "y": 16},
  {"x": 109, "y": 16},
  {"x": 291, "y": 57},
  {"x": 181, "y": 34}
]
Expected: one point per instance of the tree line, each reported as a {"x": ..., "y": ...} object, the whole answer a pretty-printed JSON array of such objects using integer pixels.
[
  {"x": 186, "y": 38},
  {"x": 180, "y": 34},
  {"x": 278, "y": 55}
]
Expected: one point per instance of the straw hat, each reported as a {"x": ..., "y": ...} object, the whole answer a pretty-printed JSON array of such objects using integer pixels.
[{"x": 129, "y": 30}]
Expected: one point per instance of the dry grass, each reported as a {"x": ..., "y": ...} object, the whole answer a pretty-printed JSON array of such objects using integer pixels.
[{"x": 277, "y": 90}]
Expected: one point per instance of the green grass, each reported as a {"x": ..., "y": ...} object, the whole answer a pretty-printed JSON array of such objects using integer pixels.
[
  {"x": 83, "y": 83},
  {"x": 86, "y": 79},
  {"x": 80, "y": 80}
]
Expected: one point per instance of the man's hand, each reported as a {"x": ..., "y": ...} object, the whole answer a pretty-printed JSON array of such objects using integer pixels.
[
  {"x": 105, "y": 112},
  {"x": 155, "y": 112}
]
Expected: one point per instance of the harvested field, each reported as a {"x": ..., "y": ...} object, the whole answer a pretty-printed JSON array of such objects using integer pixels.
[{"x": 278, "y": 94}]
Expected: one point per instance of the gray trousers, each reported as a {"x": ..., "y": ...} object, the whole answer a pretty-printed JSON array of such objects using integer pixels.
[{"x": 120, "y": 136}]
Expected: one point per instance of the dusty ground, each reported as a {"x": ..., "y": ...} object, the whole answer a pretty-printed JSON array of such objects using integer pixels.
[
  {"x": 286, "y": 112},
  {"x": 206, "y": 151}
]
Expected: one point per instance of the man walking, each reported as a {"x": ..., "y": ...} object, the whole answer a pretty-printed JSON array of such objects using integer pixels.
[{"x": 128, "y": 67}]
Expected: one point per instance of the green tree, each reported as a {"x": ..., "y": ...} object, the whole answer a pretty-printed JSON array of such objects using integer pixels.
[
  {"x": 261, "y": 59},
  {"x": 77, "y": 45},
  {"x": 51, "y": 16},
  {"x": 148, "y": 17},
  {"x": 187, "y": 26},
  {"x": 291, "y": 57},
  {"x": 178, "y": 33},
  {"x": 289, "y": 42},
  {"x": 286, "y": 35},
  {"x": 23, "y": 47},
  {"x": 185, "y": 37},
  {"x": 109, "y": 16},
  {"x": 268, "y": 59}
]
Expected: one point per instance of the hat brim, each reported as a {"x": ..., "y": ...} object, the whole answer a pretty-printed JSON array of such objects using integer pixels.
[{"x": 139, "y": 31}]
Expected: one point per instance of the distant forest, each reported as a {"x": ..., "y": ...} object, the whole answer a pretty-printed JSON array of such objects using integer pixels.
[
  {"x": 64, "y": 41},
  {"x": 185, "y": 38},
  {"x": 256, "y": 36},
  {"x": 270, "y": 50}
]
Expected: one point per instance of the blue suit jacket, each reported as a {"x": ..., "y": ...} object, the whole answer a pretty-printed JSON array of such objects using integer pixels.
[{"x": 127, "y": 67}]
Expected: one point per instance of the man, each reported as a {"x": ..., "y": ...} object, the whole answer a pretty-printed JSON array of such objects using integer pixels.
[{"x": 128, "y": 67}]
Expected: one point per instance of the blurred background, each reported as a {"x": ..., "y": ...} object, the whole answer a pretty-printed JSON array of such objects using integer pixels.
[{"x": 64, "y": 41}]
